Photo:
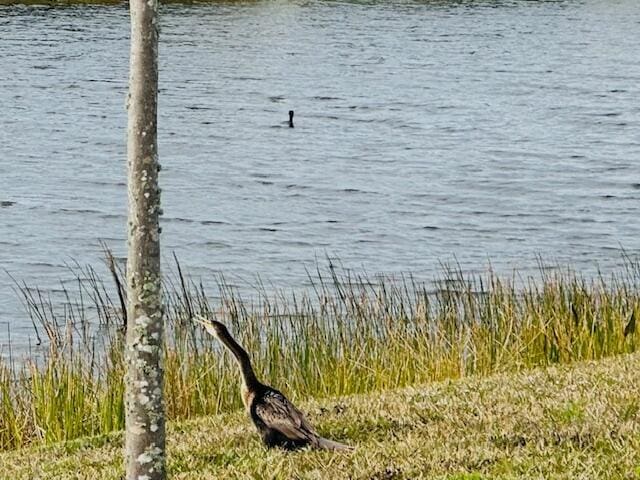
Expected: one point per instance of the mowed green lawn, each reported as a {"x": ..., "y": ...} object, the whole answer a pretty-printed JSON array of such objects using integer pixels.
[{"x": 571, "y": 422}]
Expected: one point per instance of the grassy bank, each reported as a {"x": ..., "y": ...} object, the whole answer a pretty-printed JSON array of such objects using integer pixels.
[
  {"x": 564, "y": 422},
  {"x": 343, "y": 335}
]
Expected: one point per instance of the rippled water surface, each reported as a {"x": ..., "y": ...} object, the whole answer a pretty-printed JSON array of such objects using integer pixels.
[{"x": 425, "y": 131}]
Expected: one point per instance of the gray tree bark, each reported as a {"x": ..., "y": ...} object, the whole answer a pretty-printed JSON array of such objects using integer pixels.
[{"x": 145, "y": 422}]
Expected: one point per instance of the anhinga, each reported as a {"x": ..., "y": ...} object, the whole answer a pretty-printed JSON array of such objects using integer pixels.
[{"x": 278, "y": 421}]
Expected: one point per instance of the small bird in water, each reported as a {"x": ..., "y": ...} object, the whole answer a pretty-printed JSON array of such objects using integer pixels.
[
  {"x": 278, "y": 421},
  {"x": 290, "y": 118}
]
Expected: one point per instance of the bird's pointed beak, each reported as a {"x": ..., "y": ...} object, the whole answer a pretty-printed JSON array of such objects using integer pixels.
[
  {"x": 206, "y": 323},
  {"x": 201, "y": 320}
]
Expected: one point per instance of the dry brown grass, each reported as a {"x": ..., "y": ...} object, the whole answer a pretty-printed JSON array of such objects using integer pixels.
[{"x": 565, "y": 422}]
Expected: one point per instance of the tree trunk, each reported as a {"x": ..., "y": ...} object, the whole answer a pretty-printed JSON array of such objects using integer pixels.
[{"x": 145, "y": 423}]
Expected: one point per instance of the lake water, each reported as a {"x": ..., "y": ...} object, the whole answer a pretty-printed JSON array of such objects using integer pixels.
[{"x": 425, "y": 132}]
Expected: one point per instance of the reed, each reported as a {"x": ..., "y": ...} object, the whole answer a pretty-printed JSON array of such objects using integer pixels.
[{"x": 344, "y": 334}]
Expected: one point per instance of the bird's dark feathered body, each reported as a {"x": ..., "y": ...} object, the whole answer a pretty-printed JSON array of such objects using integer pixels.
[
  {"x": 278, "y": 421},
  {"x": 272, "y": 414}
]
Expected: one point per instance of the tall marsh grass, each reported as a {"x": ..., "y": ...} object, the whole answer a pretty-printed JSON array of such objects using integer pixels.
[{"x": 344, "y": 334}]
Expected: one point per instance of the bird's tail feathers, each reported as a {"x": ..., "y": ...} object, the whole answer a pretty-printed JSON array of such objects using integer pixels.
[{"x": 327, "y": 444}]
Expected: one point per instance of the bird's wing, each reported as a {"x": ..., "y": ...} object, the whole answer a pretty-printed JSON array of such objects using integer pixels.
[{"x": 280, "y": 414}]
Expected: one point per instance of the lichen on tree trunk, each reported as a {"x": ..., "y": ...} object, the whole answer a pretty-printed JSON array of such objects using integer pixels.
[{"x": 144, "y": 405}]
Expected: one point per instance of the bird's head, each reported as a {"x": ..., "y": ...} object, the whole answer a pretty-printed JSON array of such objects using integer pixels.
[{"x": 214, "y": 327}]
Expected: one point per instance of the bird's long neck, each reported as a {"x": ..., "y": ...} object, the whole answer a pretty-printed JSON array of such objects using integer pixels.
[{"x": 242, "y": 357}]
